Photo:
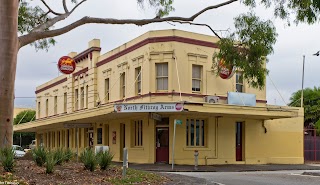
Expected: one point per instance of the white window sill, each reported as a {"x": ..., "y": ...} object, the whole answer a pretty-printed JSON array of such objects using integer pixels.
[{"x": 196, "y": 148}]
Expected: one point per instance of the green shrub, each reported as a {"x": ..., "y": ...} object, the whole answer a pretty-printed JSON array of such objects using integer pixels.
[
  {"x": 7, "y": 158},
  {"x": 59, "y": 156},
  {"x": 68, "y": 154},
  {"x": 104, "y": 159},
  {"x": 88, "y": 158},
  {"x": 50, "y": 161},
  {"x": 39, "y": 155}
]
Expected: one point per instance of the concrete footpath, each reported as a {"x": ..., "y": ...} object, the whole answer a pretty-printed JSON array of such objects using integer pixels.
[
  {"x": 181, "y": 179},
  {"x": 223, "y": 168}
]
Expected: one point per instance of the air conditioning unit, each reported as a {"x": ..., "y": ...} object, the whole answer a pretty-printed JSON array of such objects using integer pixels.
[
  {"x": 101, "y": 149},
  {"x": 211, "y": 99}
]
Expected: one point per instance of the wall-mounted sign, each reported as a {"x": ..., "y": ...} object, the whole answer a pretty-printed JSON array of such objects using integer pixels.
[
  {"x": 77, "y": 125},
  {"x": 177, "y": 121},
  {"x": 149, "y": 107},
  {"x": 66, "y": 65},
  {"x": 156, "y": 116},
  {"x": 225, "y": 72}
]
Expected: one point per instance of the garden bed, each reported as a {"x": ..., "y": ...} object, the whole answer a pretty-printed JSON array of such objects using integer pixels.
[{"x": 26, "y": 172}]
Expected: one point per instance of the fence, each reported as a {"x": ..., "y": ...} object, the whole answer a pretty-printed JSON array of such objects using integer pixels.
[{"x": 311, "y": 145}]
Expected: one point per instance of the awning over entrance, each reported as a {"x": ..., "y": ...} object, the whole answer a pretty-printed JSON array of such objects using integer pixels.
[
  {"x": 263, "y": 113},
  {"x": 112, "y": 112}
]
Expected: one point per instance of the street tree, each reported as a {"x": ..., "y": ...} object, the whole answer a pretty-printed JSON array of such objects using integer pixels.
[
  {"x": 246, "y": 48},
  {"x": 24, "y": 117},
  {"x": 311, "y": 104}
]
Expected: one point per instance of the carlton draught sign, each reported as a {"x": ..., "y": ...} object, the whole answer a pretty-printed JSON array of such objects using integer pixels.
[
  {"x": 66, "y": 65},
  {"x": 225, "y": 71}
]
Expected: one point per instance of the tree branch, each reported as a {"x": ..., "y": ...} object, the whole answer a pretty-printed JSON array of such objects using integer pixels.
[
  {"x": 77, "y": 5},
  {"x": 198, "y": 24},
  {"x": 56, "y": 19},
  {"x": 39, "y": 33},
  {"x": 50, "y": 10},
  {"x": 65, "y": 6}
]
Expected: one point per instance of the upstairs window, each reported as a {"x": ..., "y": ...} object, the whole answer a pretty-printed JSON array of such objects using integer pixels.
[
  {"x": 162, "y": 76},
  {"x": 107, "y": 90},
  {"x": 196, "y": 78},
  {"x": 123, "y": 85},
  {"x": 39, "y": 109},
  {"x": 138, "y": 80},
  {"x": 82, "y": 98},
  {"x": 87, "y": 96},
  {"x": 239, "y": 82},
  {"x": 76, "y": 99},
  {"x": 55, "y": 105},
  {"x": 47, "y": 107},
  {"x": 65, "y": 102}
]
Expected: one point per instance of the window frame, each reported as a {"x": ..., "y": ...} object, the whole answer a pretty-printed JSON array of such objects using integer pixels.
[
  {"x": 197, "y": 79},
  {"x": 138, "y": 80},
  {"x": 47, "y": 107},
  {"x": 162, "y": 77},
  {"x": 81, "y": 98},
  {"x": 123, "y": 85},
  {"x": 76, "y": 97},
  {"x": 137, "y": 140},
  {"x": 65, "y": 105},
  {"x": 107, "y": 90},
  {"x": 239, "y": 81},
  {"x": 201, "y": 139},
  {"x": 55, "y": 106}
]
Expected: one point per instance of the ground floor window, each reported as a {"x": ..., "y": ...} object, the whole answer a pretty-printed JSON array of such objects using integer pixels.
[
  {"x": 195, "y": 132},
  {"x": 137, "y": 128}
]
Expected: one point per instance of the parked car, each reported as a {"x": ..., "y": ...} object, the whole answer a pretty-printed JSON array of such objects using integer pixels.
[{"x": 18, "y": 151}]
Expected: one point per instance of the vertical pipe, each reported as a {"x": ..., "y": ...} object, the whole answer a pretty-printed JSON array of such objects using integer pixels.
[
  {"x": 77, "y": 143},
  {"x": 173, "y": 142},
  {"x": 302, "y": 81}
]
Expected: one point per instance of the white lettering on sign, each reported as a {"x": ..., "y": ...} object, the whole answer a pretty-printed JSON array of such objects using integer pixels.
[{"x": 146, "y": 107}]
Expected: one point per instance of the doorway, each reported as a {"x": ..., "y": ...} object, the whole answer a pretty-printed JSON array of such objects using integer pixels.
[
  {"x": 122, "y": 139},
  {"x": 162, "y": 144},
  {"x": 239, "y": 141}
]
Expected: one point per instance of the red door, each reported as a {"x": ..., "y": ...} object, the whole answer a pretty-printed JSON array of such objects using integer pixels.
[
  {"x": 162, "y": 144},
  {"x": 239, "y": 141}
]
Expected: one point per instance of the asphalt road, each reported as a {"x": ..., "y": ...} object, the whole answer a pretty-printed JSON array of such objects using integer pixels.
[{"x": 256, "y": 178}]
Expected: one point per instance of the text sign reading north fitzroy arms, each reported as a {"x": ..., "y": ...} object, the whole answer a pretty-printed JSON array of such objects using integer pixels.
[{"x": 149, "y": 107}]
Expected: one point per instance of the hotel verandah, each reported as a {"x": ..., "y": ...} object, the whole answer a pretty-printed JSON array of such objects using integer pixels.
[{"x": 169, "y": 68}]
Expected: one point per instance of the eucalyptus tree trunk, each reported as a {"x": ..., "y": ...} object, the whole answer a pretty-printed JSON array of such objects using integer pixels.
[{"x": 8, "y": 64}]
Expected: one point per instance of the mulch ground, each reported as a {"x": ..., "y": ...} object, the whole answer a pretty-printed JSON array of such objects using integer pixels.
[{"x": 74, "y": 173}]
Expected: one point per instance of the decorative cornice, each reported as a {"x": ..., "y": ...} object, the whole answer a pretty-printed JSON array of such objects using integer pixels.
[
  {"x": 156, "y": 40},
  {"x": 51, "y": 85},
  {"x": 85, "y": 54}
]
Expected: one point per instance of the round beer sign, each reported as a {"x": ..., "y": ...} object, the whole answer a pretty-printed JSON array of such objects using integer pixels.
[
  {"x": 225, "y": 71},
  {"x": 66, "y": 65}
]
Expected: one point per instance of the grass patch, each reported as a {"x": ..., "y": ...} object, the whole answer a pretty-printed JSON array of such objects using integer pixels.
[{"x": 136, "y": 176}]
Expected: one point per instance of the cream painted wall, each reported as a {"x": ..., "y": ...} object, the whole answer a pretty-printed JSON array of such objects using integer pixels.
[{"x": 145, "y": 57}]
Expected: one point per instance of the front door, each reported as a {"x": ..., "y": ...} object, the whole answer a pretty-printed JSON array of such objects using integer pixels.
[
  {"x": 239, "y": 141},
  {"x": 162, "y": 144}
]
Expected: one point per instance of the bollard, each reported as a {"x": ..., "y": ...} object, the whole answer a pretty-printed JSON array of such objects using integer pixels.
[
  {"x": 196, "y": 154},
  {"x": 125, "y": 162}
]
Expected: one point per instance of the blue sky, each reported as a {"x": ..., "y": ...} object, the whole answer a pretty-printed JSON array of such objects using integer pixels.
[{"x": 285, "y": 64}]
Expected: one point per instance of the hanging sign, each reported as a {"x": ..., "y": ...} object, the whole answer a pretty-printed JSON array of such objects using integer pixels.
[
  {"x": 66, "y": 65},
  {"x": 149, "y": 107},
  {"x": 225, "y": 72}
]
